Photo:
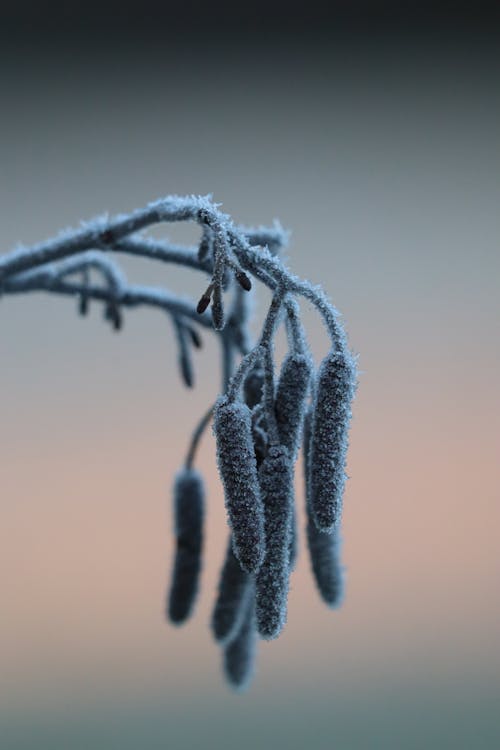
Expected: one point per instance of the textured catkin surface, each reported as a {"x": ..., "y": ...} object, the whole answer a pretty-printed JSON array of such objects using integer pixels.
[
  {"x": 188, "y": 518},
  {"x": 238, "y": 471},
  {"x": 290, "y": 405},
  {"x": 273, "y": 577},
  {"x": 291, "y": 399},
  {"x": 329, "y": 437},
  {"x": 234, "y": 588},
  {"x": 323, "y": 547}
]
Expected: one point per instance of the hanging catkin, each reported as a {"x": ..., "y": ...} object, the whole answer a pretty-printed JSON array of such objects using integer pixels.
[
  {"x": 275, "y": 477},
  {"x": 188, "y": 518},
  {"x": 291, "y": 402},
  {"x": 291, "y": 399},
  {"x": 238, "y": 470},
  {"x": 329, "y": 437},
  {"x": 324, "y": 548}
]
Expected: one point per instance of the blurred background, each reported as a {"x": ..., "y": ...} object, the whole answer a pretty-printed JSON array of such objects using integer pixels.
[{"x": 375, "y": 138}]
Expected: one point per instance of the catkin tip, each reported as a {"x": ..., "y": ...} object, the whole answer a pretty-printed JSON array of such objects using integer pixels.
[{"x": 239, "y": 654}]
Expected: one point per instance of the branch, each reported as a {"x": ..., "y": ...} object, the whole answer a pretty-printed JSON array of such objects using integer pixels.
[{"x": 257, "y": 424}]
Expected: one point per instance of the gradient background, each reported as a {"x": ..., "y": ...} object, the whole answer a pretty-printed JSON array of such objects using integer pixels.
[{"x": 377, "y": 142}]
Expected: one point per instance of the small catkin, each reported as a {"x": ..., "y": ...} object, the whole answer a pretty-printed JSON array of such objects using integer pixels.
[
  {"x": 329, "y": 437},
  {"x": 188, "y": 518},
  {"x": 238, "y": 471},
  {"x": 291, "y": 399},
  {"x": 239, "y": 654},
  {"x": 324, "y": 548},
  {"x": 234, "y": 588},
  {"x": 272, "y": 580}
]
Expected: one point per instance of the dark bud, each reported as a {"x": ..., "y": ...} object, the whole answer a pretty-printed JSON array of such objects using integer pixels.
[
  {"x": 243, "y": 280},
  {"x": 203, "y": 303}
]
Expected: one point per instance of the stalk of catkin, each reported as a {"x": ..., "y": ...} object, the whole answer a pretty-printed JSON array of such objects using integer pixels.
[
  {"x": 324, "y": 548},
  {"x": 238, "y": 471},
  {"x": 188, "y": 519},
  {"x": 329, "y": 437},
  {"x": 272, "y": 580},
  {"x": 234, "y": 588},
  {"x": 239, "y": 654}
]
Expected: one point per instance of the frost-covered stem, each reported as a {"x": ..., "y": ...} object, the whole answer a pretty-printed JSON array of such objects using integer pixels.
[
  {"x": 197, "y": 435},
  {"x": 131, "y": 296},
  {"x": 250, "y": 258},
  {"x": 295, "y": 329},
  {"x": 259, "y": 352},
  {"x": 266, "y": 342},
  {"x": 227, "y": 358},
  {"x": 100, "y": 234},
  {"x": 245, "y": 364}
]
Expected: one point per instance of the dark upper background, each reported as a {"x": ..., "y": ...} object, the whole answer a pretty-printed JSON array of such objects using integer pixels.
[{"x": 374, "y": 135}]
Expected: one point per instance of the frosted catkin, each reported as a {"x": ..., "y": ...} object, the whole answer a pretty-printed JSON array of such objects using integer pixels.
[
  {"x": 234, "y": 588},
  {"x": 291, "y": 402},
  {"x": 329, "y": 437},
  {"x": 238, "y": 471},
  {"x": 272, "y": 580},
  {"x": 239, "y": 654},
  {"x": 324, "y": 548},
  {"x": 188, "y": 518},
  {"x": 291, "y": 399}
]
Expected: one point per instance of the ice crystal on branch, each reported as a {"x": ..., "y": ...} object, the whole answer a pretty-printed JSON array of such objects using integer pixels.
[{"x": 259, "y": 424}]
